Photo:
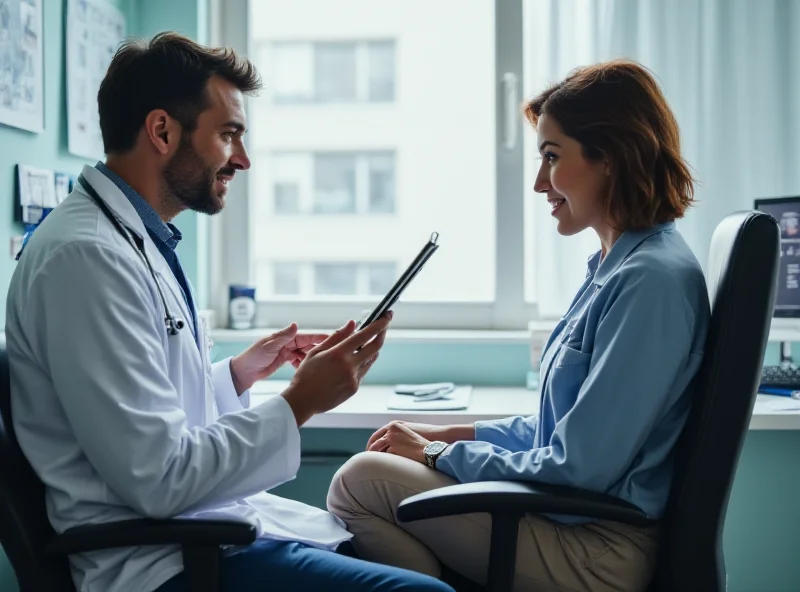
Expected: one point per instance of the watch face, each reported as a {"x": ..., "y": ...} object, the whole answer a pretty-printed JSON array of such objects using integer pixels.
[{"x": 435, "y": 447}]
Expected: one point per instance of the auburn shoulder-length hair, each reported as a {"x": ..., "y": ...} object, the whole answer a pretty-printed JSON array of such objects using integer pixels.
[{"x": 618, "y": 113}]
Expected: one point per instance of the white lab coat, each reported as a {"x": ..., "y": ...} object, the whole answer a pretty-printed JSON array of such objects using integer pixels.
[{"x": 121, "y": 420}]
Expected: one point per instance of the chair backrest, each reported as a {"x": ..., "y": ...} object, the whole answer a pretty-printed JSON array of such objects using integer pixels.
[
  {"x": 24, "y": 527},
  {"x": 742, "y": 280}
]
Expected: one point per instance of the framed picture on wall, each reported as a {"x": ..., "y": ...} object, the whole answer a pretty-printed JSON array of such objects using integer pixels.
[
  {"x": 21, "y": 64},
  {"x": 95, "y": 28}
]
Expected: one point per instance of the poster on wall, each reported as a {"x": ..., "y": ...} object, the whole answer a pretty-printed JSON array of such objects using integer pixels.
[
  {"x": 95, "y": 29},
  {"x": 21, "y": 64}
]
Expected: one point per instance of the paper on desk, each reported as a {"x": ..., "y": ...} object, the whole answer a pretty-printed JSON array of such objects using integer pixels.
[
  {"x": 453, "y": 401},
  {"x": 782, "y": 404}
]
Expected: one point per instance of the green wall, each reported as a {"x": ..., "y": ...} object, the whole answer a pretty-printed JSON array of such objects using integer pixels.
[{"x": 47, "y": 149}]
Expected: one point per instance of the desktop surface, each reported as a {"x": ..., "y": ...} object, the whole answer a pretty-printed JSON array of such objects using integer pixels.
[{"x": 368, "y": 408}]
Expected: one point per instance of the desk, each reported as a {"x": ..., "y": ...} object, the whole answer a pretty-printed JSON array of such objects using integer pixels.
[{"x": 367, "y": 408}]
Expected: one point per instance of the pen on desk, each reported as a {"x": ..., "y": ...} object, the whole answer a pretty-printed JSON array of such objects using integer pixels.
[{"x": 781, "y": 392}]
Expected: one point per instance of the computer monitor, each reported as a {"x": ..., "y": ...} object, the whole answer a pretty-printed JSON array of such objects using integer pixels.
[{"x": 786, "y": 210}]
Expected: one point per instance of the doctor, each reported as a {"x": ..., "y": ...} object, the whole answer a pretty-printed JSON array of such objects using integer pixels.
[{"x": 116, "y": 404}]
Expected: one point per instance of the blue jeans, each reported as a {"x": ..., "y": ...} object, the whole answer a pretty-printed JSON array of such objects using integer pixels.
[{"x": 268, "y": 565}]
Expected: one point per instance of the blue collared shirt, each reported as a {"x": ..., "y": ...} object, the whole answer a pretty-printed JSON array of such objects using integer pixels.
[
  {"x": 615, "y": 380},
  {"x": 165, "y": 236}
]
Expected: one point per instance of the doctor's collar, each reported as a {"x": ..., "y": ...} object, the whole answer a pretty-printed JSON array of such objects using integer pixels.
[{"x": 166, "y": 233}]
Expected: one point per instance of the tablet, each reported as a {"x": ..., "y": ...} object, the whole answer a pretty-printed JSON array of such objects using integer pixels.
[{"x": 400, "y": 285}]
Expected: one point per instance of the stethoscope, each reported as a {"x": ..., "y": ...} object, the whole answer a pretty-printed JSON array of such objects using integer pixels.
[{"x": 173, "y": 325}]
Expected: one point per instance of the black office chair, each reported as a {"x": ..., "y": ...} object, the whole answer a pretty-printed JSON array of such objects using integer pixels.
[
  {"x": 742, "y": 280},
  {"x": 39, "y": 556}
]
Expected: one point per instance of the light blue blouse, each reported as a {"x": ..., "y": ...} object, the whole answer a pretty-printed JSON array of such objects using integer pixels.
[{"x": 615, "y": 380}]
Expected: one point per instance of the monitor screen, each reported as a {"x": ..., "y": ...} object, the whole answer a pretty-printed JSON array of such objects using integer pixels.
[{"x": 786, "y": 210}]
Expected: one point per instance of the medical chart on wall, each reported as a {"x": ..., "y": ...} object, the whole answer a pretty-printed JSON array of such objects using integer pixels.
[
  {"x": 95, "y": 29},
  {"x": 21, "y": 64}
]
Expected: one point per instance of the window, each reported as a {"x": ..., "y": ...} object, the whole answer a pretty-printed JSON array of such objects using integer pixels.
[
  {"x": 381, "y": 184},
  {"x": 322, "y": 280},
  {"x": 423, "y": 112},
  {"x": 292, "y": 74},
  {"x": 286, "y": 279},
  {"x": 287, "y": 198},
  {"x": 335, "y": 72},
  {"x": 331, "y": 182},
  {"x": 330, "y": 71},
  {"x": 334, "y": 184},
  {"x": 335, "y": 279},
  {"x": 377, "y": 128},
  {"x": 381, "y": 277},
  {"x": 381, "y": 71}
]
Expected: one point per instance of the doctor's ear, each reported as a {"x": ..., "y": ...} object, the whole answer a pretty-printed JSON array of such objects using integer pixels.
[{"x": 162, "y": 131}]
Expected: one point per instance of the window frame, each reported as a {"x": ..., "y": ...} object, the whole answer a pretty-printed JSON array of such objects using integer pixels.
[{"x": 228, "y": 255}]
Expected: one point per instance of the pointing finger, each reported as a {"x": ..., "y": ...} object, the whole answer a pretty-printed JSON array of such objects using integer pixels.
[
  {"x": 371, "y": 349},
  {"x": 361, "y": 338},
  {"x": 335, "y": 338}
]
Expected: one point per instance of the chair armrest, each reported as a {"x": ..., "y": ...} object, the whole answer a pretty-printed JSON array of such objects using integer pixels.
[
  {"x": 514, "y": 497},
  {"x": 140, "y": 532}
]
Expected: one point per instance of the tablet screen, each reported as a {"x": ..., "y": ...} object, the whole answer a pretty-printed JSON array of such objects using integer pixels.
[{"x": 400, "y": 285}]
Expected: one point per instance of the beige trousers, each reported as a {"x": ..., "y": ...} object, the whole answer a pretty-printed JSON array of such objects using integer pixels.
[{"x": 551, "y": 557}]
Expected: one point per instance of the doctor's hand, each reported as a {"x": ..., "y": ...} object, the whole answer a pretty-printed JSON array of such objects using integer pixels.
[
  {"x": 332, "y": 371},
  {"x": 266, "y": 355}
]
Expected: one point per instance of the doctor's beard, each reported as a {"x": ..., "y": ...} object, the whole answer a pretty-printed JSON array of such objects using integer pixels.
[{"x": 191, "y": 182}]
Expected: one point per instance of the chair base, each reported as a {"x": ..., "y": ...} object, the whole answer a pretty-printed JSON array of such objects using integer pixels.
[
  {"x": 201, "y": 567},
  {"x": 459, "y": 582}
]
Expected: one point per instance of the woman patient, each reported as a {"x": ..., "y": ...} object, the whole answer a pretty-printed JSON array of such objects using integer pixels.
[{"x": 615, "y": 373}]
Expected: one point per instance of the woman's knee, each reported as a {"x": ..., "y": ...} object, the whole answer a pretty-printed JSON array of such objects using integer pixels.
[
  {"x": 371, "y": 478},
  {"x": 369, "y": 466},
  {"x": 364, "y": 466}
]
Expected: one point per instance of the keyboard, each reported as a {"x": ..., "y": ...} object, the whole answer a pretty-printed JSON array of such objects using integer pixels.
[{"x": 784, "y": 376}]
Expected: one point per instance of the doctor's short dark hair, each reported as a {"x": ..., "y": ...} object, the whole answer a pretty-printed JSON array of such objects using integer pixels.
[
  {"x": 169, "y": 72},
  {"x": 617, "y": 112}
]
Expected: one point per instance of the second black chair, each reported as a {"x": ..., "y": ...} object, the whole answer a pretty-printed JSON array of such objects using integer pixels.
[{"x": 742, "y": 278}]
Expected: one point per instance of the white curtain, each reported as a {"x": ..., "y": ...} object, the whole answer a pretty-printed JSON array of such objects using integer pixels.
[{"x": 730, "y": 70}]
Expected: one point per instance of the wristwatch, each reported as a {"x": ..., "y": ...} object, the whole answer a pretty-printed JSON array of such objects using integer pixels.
[{"x": 432, "y": 451}]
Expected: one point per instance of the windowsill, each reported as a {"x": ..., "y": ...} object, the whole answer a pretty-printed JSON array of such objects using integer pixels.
[
  {"x": 781, "y": 330},
  {"x": 471, "y": 337}
]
